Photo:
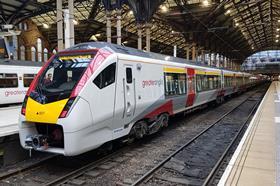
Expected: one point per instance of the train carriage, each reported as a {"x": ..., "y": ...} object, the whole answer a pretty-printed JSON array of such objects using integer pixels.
[
  {"x": 100, "y": 92},
  {"x": 15, "y": 78}
]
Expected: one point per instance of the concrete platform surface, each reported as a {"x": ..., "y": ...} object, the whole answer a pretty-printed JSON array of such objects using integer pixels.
[
  {"x": 255, "y": 161},
  {"x": 9, "y": 120}
]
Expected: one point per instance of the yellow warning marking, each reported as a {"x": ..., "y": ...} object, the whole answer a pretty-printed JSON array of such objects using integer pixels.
[{"x": 46, "y": 113}]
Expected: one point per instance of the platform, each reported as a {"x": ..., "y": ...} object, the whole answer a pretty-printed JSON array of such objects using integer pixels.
[
  {"x": 9, "y": 120},
  {"x": 255, "y": 161}
]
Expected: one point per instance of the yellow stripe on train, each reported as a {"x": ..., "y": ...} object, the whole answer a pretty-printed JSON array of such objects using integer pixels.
[
  {"x": 45, "y": 113},
  {"x": 174, "y": 70},
  {"x": 201, "y": 72}
]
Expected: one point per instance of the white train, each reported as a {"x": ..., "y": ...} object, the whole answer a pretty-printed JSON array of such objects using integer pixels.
[
  {"x": 94, "y": 93},
  {"x": 15, "y": 78}
]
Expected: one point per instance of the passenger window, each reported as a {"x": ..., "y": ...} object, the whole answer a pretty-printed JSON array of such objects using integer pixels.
[
  {"x": 27, "y": 79},
  {"x": 8, "y": 80},
  {"x": 175, "y": 84},
  {"x": 106, "y": 77},
  {"x": 128, "y": 75}
]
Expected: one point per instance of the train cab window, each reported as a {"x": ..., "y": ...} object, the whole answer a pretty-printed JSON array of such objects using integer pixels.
[
  {"x": 128, "y": 75},
  {"x": 175, "y": 84},
  {"x": 8, "y": 80},
  {"x": 106, "y": 77},
  {"x": 27, "y": 79}
]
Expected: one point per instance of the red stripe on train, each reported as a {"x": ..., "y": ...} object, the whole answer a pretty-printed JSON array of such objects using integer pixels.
[
  {"x": 191, "y": 87},
  {"x": 165, "y": 108}
]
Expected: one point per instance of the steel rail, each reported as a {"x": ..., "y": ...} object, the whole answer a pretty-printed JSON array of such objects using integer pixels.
[
  {"x": 26, "y": 168},
  {"x": 212, "y": 174},
  {"x": 82, "y": 170},
  {"x": 149, "y": 173}
]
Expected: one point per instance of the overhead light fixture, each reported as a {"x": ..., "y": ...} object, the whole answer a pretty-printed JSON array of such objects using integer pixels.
[
  {"x": 93, "y": 38},
  {"x": 205, "y": 3},
  {"x": 278, "y": 20},
  {"x": 277, "y": 29},
  {"x": 130, "y": 12},
  {"x": 228, "y": 11},
  {"x": 236, "y": 24},
  {"x": 276, "y": 40},
  {"x": 75, "y": 22},
  {"x": 277, "y": 36},
  {"x": 164, "y": 8},
  {"x": 97, "y": 35},
  {"x": 46, "y": 25},
  {"x": 125, "y": 42},
  {"x": 253, "y": 48}
]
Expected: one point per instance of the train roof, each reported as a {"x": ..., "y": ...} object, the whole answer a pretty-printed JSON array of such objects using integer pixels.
[
  {"x": 20, "y": 63},
  {"x": 114, "y": 48}
]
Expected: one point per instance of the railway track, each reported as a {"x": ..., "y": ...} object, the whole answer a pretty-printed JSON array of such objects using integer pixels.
[
  {"x": 27, "y": 174},
  {"x": 94, "y": 168},
  {"x": 192, "y": 163},
  {"x": 30, "y": 166},
  {"x": 93, "y": 171}
]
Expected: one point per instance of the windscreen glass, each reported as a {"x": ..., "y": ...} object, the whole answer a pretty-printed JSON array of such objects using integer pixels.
[{"x": 61, "y": 77}]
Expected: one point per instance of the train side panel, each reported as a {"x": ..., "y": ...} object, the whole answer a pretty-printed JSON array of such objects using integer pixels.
[{"x": 139, "y": 91}]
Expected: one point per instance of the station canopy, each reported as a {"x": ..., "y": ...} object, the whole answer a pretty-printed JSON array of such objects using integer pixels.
[{"x": 233, "y": 28}]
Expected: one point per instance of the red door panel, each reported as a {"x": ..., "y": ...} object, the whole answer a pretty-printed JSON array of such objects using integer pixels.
[{"x": 191, "y": 87}]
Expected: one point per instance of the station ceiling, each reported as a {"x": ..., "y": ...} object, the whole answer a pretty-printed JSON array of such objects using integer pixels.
[{"x": 234, "y": 28}]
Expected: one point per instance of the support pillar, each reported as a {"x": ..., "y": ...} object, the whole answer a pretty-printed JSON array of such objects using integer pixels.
[
  {"x": 203, "y": 56},
  {"x": 15, "y": 47},
  {"x": 193, "y": 51},
  {"x": 59, "y": 25},
  {"x": 67, "y": 28},
  {"x": 196, "y": 55},
  {"x": 119, "y": 27},
  {"x": 108, "y": 26},
  {"x": 148, "y": 38},
  {"x": 175, "y": 51},
  {"x": 219, "y": 62},
  {"x": 210, "y": 59},
  {"x": 139, "y": 33},
  {"x": 71, "y": 23},
  {"x": 188, "y": 53}
]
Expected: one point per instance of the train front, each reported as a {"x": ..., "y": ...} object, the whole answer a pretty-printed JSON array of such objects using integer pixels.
[{"x": 54, "y": 117}]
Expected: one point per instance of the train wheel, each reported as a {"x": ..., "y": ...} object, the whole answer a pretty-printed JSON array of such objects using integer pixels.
[
  {"x": 164, "y": 118},
  {"x": 222, "y": 99},
  {"x": 218, "y": 101},
  {"x": 138, "y": 131}
]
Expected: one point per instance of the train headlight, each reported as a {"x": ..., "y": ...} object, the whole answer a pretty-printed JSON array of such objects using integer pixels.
[
  {"x": 67, "y": 107},
  {"x": 23, "y": 108}
]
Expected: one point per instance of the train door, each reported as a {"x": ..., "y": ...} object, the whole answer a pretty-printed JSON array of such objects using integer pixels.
[
  {"x": 129, "y": 89},
  {"x": 191, "y": 87}
]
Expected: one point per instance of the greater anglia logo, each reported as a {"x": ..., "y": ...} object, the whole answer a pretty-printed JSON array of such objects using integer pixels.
[
  {"x": 14, "y": 93},
  {"x": 148, "y": 83}
]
